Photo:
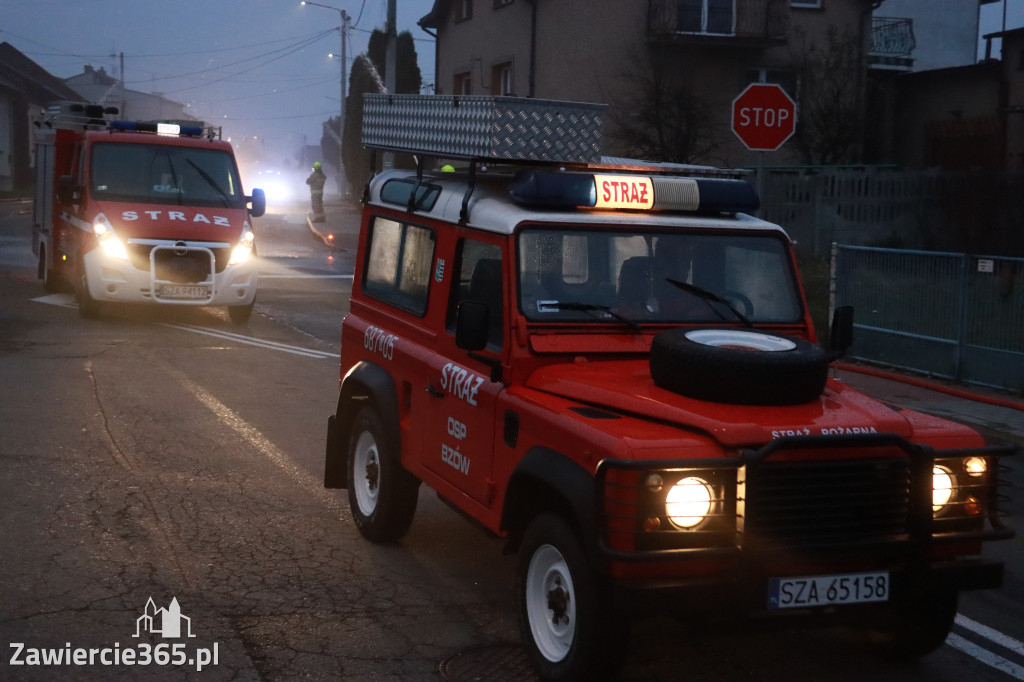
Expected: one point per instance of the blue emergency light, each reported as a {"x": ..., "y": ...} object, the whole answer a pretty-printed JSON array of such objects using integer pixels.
[{"x": 154, "y": 127}]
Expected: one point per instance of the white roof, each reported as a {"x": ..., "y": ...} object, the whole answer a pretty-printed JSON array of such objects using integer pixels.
[{"x": 491, "y": 209}]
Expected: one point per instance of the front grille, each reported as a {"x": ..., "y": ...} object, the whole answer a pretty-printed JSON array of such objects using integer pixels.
[
  {"x": 138, "y": 255},
  {"x": 822, "y": 504}
]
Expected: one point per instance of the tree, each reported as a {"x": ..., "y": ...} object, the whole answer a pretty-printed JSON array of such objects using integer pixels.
[
  {"x": 367, "y": 76},
  {"x": 364, "y": 79},
  {"x": 831, "y": 120},
  {"x": 661, "y": 116}
]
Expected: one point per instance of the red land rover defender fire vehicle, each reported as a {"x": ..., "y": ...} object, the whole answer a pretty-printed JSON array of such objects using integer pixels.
[
  {"x": 613, "y": 367},
  {"x": 135, "y": 212}
]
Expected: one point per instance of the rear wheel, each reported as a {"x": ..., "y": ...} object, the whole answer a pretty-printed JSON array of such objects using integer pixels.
[
  {"x": 381, "y": 493},
  {"x": 51, "y": 280},
  {"x": 568, "y": 628}
]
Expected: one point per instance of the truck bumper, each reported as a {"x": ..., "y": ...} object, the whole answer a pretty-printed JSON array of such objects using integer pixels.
[
  {"x": 745, "y": 592},
  {"x": 114, "y": 280}
]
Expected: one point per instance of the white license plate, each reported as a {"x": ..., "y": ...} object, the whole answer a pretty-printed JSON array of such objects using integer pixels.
[
  {"x": 826, "y": 590},
  {"x": 184, "y": 291}
]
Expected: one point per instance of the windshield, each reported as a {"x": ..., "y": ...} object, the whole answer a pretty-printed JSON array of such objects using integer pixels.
[
  {"x": 164, "y": 174},
  {"x": 655, "y": 277}
]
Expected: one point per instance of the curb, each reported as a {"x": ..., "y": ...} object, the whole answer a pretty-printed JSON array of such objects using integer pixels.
[{"x": 932, "y": 386}]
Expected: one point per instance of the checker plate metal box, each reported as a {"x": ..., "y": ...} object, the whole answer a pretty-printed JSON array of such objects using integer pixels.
[{"x": 499, "y": 128}]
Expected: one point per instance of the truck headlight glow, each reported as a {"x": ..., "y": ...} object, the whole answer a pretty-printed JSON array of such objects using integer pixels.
[
  {"x": 243, "y": 249},
  {"x": 942, "y": 487},
  {"x": 689, "y": 502},
  {"x": 111, "y": 245},
  {"x": 975, "y": 466}
]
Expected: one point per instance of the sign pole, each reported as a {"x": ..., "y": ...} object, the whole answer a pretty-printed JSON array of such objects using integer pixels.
[{"x": 760, "y": 183}]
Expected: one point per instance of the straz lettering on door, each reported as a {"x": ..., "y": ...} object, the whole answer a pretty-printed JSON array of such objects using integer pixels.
[{"x": 460, "y": 382}]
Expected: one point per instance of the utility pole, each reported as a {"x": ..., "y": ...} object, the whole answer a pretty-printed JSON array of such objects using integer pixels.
[
  {"x": 391, "y": 67},
  {"x": 343, "y": 30}
]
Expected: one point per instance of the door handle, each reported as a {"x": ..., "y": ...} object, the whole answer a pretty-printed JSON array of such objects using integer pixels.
[{"x": 434, "y": 391}]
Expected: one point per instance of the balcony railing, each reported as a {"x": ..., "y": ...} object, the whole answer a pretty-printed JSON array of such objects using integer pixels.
[
  {"x": 758, "y": 20},
  {"x": 892, "y": 43}
]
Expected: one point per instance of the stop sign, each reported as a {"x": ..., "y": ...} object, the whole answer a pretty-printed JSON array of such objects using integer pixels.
[{"x": 763, "y": 117}]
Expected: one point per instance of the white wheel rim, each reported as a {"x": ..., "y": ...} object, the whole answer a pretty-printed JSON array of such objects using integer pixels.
[
  {"x": 550, "y": 603},
  {"x": 366, "y": 471},
  {"x": 741, "y": 340}
]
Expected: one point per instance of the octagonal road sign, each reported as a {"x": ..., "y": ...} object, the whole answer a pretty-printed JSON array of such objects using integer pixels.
[{"x": 763, "y": 117}]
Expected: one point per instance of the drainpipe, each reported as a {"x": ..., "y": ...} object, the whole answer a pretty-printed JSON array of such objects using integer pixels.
[{"x": 532, "y": 86}]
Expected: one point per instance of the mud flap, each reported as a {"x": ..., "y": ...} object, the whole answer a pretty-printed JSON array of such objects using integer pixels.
[{"x": 335, "y": 459}]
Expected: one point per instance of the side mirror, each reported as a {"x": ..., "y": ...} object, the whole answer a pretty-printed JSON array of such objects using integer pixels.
[
  {"x": 841, "y": 334},
  {"x": 259, "y": 203},
  {"x": 66, "y": 190},
  {"x": 472, "y": 320}
]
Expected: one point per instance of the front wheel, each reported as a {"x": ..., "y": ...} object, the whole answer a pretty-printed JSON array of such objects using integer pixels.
[
  {"x": 915, "y": 626},
  {"x": 381, "y": 493},
  {"x": 240, "y": 314},
  {"x": 569, "y": 629},
  {"x": 88, "y": 307}
]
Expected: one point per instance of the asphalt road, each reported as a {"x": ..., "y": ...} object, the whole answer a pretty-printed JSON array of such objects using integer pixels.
[{"x": 168, "y": 455}]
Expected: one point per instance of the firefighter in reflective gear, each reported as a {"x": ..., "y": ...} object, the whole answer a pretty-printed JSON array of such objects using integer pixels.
[{"x": 316, "y": 182}]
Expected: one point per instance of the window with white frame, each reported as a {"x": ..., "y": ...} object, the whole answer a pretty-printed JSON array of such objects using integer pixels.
[
  {"x": 462, "y": 83},
  {"x": 501, "y": 79},
  {"x": 706, "y": 16}
]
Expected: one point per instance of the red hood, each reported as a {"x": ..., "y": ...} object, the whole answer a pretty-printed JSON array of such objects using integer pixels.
[
  {"x": 177, "y": 223},
  {"x": 626, "y": 386}
]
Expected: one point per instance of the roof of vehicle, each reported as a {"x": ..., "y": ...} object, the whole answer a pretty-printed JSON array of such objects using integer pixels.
[
  {"x": 491, "y": 209},
  {"x": 155, "y": 138}
]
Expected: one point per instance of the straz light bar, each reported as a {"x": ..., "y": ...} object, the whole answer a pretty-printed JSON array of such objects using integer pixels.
[
  {"x": 556, "y": 189},
  {"x": 172, "y": 129}
]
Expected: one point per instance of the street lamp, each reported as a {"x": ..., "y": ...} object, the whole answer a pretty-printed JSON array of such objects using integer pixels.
[{"x": 343, "y": 30}]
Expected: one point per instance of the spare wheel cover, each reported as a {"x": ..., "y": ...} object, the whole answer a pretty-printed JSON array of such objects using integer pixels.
[{"x": 738, "y": 366}]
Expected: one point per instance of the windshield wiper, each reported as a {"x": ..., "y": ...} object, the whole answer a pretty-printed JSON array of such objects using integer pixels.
[
  {"x": 211, "y": 182},
  {"x": 709, "y": 297},
  {"x": 590, "y": 308}
]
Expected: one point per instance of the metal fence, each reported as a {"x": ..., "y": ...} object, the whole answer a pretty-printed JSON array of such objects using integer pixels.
[
  {"x": 948, "y": 315},
  {"x": 879, "y": 206}
]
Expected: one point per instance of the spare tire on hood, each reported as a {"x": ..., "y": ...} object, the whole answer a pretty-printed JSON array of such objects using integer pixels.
[{"x": 738, "y": 366}]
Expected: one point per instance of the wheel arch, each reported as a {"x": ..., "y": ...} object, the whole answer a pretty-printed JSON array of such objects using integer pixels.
[
  {"x": 366, "y": 382},
  {"x": 547, "y": 480}
]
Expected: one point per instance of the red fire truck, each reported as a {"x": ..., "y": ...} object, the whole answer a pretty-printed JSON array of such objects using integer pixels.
[
  {"x": 612, "y": 365},
  {"x": 141, "y": 212}
]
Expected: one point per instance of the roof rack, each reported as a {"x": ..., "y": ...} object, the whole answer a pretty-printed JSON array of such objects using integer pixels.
[
  {"x": 77, "y": 115},
  {"x": 480, "y": 128},
  {"x": 515, "y": 132}
]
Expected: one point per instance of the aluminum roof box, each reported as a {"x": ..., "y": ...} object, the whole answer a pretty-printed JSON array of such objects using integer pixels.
[{"x": 481, "y": 127}]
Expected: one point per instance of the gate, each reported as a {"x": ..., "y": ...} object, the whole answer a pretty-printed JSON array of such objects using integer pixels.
[{"x": 949, "y": 315}]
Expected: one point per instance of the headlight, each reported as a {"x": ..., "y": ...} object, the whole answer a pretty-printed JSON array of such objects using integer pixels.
[
  {"x": 242, "y": 251},
  {"x": 942, "y": 487},
  {"x": 975, "y": 466},
  {"x": 109, "y": 242},
  {"x": 689, "y": 502}
]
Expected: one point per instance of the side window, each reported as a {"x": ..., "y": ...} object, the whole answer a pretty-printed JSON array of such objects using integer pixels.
[
  {"x": 398, "y": 264},
  {"x": 479, "y": 278}
]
